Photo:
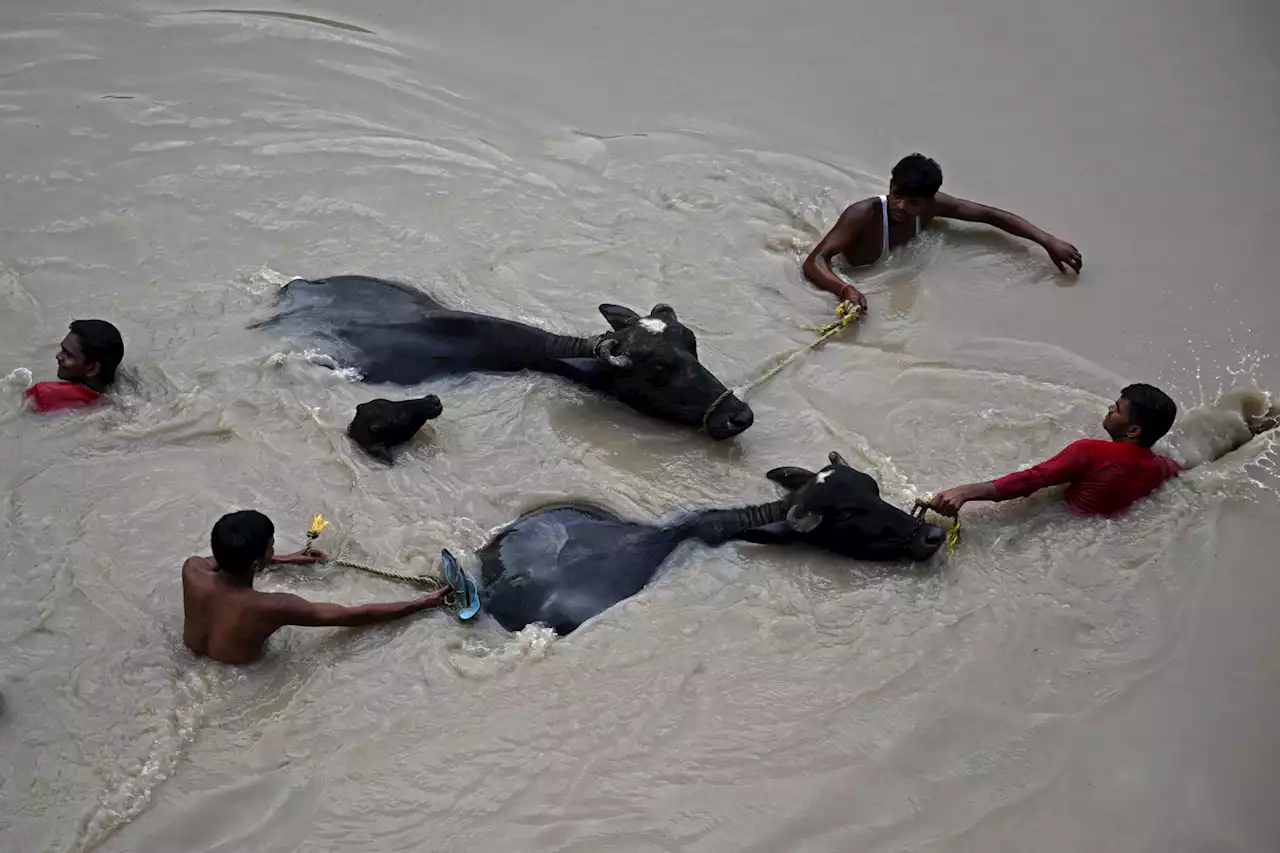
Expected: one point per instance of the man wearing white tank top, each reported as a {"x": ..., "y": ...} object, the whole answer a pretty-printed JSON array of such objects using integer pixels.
[{"x": 868, "y": 229}]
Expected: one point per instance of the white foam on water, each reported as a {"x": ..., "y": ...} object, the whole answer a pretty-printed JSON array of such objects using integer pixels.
[
  {"x": 486, "y": 655},
  {"x": 132, "y": 785},
  {"x": 1207, "y": 433},
  {"x": 318, "y": 358},
  {"x": 20, "y": 378},
  {"x": 265, "y": 280}
]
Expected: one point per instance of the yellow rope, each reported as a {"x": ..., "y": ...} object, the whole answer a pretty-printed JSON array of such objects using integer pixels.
[
  {"x": 422, "y": 580},
  {"x": 844, "y": 316},
  {"x": 953, "y": 538},
  {"x": 318, "y": 524}
]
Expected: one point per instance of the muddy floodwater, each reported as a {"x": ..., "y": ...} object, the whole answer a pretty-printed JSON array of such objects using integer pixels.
[{"x": 1058, "y": 684}]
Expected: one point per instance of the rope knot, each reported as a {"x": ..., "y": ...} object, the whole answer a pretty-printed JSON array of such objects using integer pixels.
[{"x": 953, "y": 532}]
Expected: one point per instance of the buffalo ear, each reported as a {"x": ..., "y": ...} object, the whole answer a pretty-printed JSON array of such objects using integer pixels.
[
  {"x": 607, "y": 351},
  {"x": 689, "y": 341},
  {"x": 617, "y": 316},
  {"x": 664, "y": 312},
  {"x": 790, "y": 477},
  {"x": 802, "y": 521}
]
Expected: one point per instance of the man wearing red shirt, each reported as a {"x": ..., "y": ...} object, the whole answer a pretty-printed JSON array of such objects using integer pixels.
[
  {"x": 1105, "y": 477},
  {"x": 87, "y": 362}
]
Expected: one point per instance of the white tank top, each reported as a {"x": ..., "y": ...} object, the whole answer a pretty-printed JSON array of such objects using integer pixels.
[{"x": 884, "y": 218}]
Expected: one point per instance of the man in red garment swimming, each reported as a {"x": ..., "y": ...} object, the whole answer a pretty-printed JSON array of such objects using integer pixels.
[
  {"x": 1105, "y": 477},
  {"x": 87, "y": 362}
]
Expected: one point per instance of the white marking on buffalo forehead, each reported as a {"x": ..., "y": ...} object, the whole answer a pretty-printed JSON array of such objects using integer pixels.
[
  {"x": 653, "y": 324},
  {"x": 822, "y": 476}
]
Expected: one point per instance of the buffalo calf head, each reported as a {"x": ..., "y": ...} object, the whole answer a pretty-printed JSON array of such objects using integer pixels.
[{"x": 380, "y": 425}]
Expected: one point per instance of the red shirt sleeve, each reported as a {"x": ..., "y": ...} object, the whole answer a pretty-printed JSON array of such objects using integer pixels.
[{"x": 1068, "y": 465}]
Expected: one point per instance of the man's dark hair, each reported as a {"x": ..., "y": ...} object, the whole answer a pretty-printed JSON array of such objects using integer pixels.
[
  {"x": 102, "y": 344},
  {"x": 240, "y": 539},
  {"x": 1151, "y": 409},
  {"x": 917, "y": 176}
]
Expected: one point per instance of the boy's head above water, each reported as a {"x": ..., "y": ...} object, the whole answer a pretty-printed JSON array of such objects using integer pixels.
[
  {"x": 912, "y": 185},
  {"x": 242, "y": 541},
  {"x": 90, "y": 354},
  {"x": 1142, "y": 414}
]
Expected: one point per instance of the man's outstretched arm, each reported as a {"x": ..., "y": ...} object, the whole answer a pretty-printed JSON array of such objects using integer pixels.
[
  {"x": 1063, "y": 468},
  {"x": 817, "y": 267},
  {"x": 1062, "y": 253},
  {"x": 299, "y": 558},
  {"x": 295, "y": 610}
]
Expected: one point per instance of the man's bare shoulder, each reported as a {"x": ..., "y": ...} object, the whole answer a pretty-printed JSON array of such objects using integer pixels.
[
  {"x": 853, "y": 219},
  {"x": 280, "y": 604},
  {"x": 950, "y": 207},
  {"x": 860, "y": 208},
  {"x": 198, "y": 567}
]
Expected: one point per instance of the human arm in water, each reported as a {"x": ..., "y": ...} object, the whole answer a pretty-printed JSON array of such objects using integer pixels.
[
  {"x": 1062, "y": 253},
  {"x": 300, "y": 558},
  {"x": 295, "y": 610},
  {"x": 1063, "y": 468},
  {"x": 842, "y": 236}
]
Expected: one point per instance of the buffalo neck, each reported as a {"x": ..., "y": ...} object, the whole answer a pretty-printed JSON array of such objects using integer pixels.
[
  {"x": 717, "y": 526},
  {"x": 496, "y": 343}
]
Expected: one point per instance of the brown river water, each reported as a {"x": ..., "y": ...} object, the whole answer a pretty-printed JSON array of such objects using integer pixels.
[{"x": 1059, "y": 684}]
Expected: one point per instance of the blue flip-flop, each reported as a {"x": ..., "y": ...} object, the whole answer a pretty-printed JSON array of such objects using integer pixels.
[{"x": 464, "y": 588}]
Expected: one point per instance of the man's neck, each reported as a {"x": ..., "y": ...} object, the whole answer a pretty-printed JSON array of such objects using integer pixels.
[{"x": 236, "y": 580}]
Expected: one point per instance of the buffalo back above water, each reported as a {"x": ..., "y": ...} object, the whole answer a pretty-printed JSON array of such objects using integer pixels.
[{"x": 393, "y": 333}]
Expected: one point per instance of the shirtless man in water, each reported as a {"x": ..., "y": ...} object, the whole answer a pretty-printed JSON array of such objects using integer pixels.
[
  {"x": 226, "y": 619},
  {"x": 868, "y": 229}
]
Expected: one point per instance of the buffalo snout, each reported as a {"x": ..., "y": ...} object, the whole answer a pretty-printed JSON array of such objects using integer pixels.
[
  {"x": 926, "y": 542},
  {"x": 729, "y": 418}
]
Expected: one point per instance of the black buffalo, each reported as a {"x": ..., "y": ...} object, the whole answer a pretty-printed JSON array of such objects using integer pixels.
[
  {"x": 839, "y": 509},
  {"x": 393, "y": 333},
  {"x": 560, "y": 565},
  {"x": 380, "y": 425}
]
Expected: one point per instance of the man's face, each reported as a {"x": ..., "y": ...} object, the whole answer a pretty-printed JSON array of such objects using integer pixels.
[
  {"x": 1118, "y": 423},
  {"x": 903, "y": 207},
  {"x": 72, "y": 366}
]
